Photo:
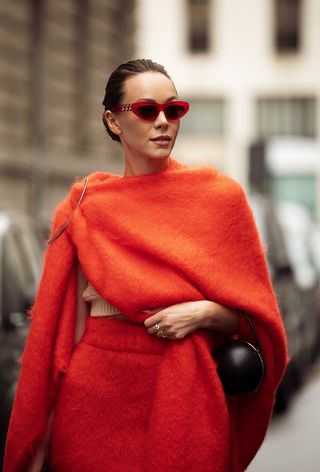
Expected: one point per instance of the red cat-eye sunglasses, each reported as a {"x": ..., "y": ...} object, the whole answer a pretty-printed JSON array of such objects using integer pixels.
[{"x": 149, "y": 111}]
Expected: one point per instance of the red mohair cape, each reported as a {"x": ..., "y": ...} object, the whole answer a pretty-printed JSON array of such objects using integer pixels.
[{"x": 152, "y": 241}]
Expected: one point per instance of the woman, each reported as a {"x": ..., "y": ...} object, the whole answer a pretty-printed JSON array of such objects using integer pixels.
[{"x": 145, "y": 275}]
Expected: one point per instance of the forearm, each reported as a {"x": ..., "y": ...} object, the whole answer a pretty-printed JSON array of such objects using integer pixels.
[
  {"x": 39, "y": 460},
  {"x": 182, "y": 319},
  {"x": 220, "y": 318}
]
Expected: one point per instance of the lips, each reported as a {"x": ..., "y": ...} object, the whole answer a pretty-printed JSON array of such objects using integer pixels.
[{"x": 162, "y": 138}]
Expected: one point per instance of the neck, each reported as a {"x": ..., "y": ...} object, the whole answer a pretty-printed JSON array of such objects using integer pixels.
[{"x": 145, "y": 166}]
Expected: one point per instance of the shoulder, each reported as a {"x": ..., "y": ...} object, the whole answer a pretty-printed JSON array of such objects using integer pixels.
[
  {"x": 218, "y": 185},
  {"x": 74, "y": 198},
  {"x": 222, "y": 197},
  {"x": 61, "y": 212}
]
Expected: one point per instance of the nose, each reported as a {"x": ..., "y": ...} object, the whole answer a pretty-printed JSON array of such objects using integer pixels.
[{"x": 161, "y": 120}]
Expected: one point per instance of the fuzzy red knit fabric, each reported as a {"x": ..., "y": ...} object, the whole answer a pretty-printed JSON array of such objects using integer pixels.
[
  {"x": 109, "y": 397},
  {"x": 146, "y": 242}
]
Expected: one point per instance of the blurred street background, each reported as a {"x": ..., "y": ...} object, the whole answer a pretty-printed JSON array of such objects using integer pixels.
[
  {"x": 292, "y": 441},
  {"x": 250, "y": 70}
]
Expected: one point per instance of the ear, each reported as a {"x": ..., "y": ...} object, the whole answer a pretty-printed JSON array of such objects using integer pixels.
[{"x": 112, "y": 121}]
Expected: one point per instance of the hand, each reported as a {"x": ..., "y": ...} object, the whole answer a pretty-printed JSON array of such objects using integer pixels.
[{"x": 180, "y": 320}]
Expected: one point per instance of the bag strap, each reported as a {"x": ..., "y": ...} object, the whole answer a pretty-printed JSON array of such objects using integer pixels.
[
  {"x": 65, "y": 224},
  {"x": 254, "y": 332}
]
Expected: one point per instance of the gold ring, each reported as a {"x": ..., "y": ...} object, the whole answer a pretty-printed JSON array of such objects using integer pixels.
[{"x": 161, "y": 334}]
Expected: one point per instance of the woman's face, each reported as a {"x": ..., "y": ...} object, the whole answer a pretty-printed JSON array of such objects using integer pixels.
[{"x": 141, "y": 139}]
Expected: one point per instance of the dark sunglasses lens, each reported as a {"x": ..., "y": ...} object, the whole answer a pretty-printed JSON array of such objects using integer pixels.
[
  {"x": 174, "y": 112},
  {"x": 147, "y": 112}
]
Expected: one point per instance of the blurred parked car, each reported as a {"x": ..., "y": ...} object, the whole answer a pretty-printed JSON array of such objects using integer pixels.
[
  {"x": 315, "y": 251},
  {"x": 20, "y": 268},
  {"x": 315, "y": 245},
  {"x": 295, "y": 282},
  {"x": 298, "y": 228}
]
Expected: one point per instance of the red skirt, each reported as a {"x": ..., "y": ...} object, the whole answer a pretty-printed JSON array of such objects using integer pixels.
[
  {"x": 132, "y": 402},
  {"x": 102, "y": 415}
]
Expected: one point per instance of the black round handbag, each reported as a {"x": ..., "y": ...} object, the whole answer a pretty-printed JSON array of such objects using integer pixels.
[{"x": 240, "y": 364}]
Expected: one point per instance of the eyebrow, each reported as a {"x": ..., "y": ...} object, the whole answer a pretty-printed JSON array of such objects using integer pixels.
[{"x": 174, "y": 97}]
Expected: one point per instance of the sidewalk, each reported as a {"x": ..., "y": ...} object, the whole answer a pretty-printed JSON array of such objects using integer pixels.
[{"x": 293, "y": 441}]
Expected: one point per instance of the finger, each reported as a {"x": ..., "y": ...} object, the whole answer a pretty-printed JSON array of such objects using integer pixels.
[
  {"x": 154, "y": 328},
  {"x": 152, "y": 320}
]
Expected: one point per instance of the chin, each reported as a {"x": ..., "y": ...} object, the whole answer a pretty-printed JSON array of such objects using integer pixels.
[{"x": 161, "y": 154}]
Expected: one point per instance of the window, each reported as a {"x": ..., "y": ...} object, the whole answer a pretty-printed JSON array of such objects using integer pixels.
[
  {"x": 206, "y": 116},
  {"x": 287, "y": 25},
  {"x": 15, "y": 82},
  {"x": 198, "y": 25},
  {"x": 286, "y": 116}
]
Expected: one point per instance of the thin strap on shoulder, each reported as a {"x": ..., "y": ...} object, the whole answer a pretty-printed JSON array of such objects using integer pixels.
[{"x": 65, "y": 224}]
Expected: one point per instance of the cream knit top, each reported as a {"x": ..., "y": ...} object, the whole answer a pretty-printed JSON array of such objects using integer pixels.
[{"x": 99, "y": 306}]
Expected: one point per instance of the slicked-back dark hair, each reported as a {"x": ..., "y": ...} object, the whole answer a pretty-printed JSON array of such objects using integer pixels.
[{"x": 115, "y": 90}]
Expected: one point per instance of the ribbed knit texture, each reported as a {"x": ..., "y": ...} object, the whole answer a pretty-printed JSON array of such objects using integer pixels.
[{"x": 98, "y": 305}]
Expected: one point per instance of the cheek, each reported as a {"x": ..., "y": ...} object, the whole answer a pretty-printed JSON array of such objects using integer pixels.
[
  {"x": 175, "y": 128},
  {"x": 136, "y": 130}
]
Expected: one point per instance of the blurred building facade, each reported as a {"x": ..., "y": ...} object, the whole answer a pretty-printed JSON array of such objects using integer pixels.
[
  {"x": 250, "y": 70},
  {"x": 55, "y": 56}
]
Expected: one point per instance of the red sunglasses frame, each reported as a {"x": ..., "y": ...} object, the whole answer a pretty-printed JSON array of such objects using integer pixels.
[{"x": 134, "y": 107}]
